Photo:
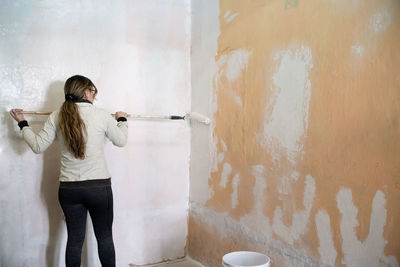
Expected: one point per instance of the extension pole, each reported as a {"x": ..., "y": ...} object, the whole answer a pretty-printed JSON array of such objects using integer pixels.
[{"x": 192, "y": 116}]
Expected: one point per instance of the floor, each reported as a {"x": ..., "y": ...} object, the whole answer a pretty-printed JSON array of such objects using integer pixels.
[{"x": 184, "y": 262}]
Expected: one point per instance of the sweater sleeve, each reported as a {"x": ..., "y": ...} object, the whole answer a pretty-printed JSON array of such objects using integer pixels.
[
  {"x": 41, "y": 141},
  {"x": 117, "y": 132}
]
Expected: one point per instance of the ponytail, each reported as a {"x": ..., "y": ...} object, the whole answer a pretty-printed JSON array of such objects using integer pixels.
[
  {"x": 73, "y": 129},
  {"x": 72, "y": 126}
]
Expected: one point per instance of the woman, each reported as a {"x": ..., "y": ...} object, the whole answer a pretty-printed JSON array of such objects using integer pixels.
[{"x": 85, "y": 183}]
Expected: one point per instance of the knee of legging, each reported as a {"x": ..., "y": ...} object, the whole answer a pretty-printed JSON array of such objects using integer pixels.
[
  {"x": 76, "y": 242},
  {"x": 105, "y": 239}
]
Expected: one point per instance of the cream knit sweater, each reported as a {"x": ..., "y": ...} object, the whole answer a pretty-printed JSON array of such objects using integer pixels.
[{"x": 99, "y": 124}]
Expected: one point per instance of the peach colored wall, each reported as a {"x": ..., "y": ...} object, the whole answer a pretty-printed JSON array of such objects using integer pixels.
[{"x": 301, "y": 161}]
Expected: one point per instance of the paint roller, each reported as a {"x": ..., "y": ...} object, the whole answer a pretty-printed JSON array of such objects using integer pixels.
[{"x": 193, "y": 116}]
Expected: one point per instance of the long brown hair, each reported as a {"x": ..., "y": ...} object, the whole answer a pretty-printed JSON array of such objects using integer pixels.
[{"x": 72, "y": 126}]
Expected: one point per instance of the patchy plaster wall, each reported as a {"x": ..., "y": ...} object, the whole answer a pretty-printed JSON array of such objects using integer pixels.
[
  {"x": 301, "y": 161},
  {"x": 138, "y": 55}
]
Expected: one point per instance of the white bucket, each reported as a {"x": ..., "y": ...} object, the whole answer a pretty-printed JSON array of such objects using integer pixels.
[{"x": 245, "y": 259}]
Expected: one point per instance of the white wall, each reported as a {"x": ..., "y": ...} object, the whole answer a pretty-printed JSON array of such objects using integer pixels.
[
  {"x": 205, "y": 32},
  {"x": 137, "y": 54}
]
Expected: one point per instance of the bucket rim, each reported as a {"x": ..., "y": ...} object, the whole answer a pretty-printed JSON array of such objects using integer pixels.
[{"x": 267, "y": 258}]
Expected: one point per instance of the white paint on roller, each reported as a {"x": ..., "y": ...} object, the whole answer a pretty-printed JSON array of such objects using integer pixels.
[
  {"x": 380, "y": 21},
  {"x": 371, "y": 251},
  {"x": 235, "y": 185},
  {"x": 300, "y": 219},
  {"x": 226, "y": 171},
  {"x": 195, "y": 116},
  {"x": 287, "y": 123},
  {"x": 326, "y": 247}
]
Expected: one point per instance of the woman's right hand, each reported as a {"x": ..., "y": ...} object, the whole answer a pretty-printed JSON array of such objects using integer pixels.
[
  {"x": 17, "y": 114},
  {"x": 120, "y": 114}
]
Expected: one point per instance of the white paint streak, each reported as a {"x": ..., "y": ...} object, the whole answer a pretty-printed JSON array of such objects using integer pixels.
[
  {"x": 235, "y": 185},
  {"x": 230, "y": 66},
  {"x": 326, "y": 248},
  {"x": 231, "y": 17},
  {"x": 238, "y": 100},
  {"x": 380, "y": 21},
  {"x": 233, "y": 64},
  {"x": 226, "y": 170},
  {"x": 371, "y": 251},
  {"x": 288, "y": 122},
  {"x": 224, "y": 147},
  {"x": 357, "y": 49},
  {"x": 284, "y": 187},
  {"x": 259, "y": 187},
  {"x": 220, "y": 157},
  {"x": 255, "y": 220},
  {"x": 299, "y": 219}
]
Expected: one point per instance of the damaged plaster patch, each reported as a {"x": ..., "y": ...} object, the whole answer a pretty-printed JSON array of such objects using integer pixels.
[
  {"x": 300, "y": 218},
  {"x": 326, "y": 248},
  {"x": 380, "y": 21},
  {"x": 371, "y": 251},
  {"x": 288, "y": 121}
]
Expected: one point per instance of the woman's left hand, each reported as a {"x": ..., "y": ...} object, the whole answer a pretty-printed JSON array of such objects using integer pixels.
[
  {"x": 119, "y": 114},
  {"x": 17, "y": 114}
]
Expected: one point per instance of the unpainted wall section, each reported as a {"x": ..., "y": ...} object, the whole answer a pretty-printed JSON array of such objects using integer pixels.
[
  {"x": 137, "y": 53},
  {"x": 301, "y": 160}
]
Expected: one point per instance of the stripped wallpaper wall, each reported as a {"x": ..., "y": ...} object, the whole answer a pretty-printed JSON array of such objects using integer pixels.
[{"x": 302, "y": 159}]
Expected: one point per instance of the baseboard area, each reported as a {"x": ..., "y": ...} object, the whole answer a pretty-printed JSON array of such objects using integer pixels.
[{"x": 182, "y": 262}]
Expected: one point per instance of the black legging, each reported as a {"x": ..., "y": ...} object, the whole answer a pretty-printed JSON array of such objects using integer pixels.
[{"x": 76, "y": 199}]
